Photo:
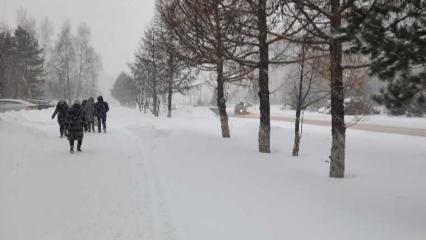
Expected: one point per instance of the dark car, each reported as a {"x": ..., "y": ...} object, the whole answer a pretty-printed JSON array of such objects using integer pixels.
[{"x": 242, "y": 108}]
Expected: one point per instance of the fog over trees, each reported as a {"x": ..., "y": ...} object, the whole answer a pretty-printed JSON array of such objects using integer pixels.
[{"x": 35, "y": 64}]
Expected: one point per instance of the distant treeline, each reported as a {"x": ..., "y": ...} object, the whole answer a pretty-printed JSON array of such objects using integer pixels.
[{"x": 35, "y": 65}]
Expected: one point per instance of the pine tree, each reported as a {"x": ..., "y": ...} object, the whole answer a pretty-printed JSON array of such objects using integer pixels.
[
  {"x": 21, "y": 65},
  {"x": 394, "y": 36},
  {"x": 125, "y": 90},
  {"x": 7, "y": 50},
  {"x": 30, "y": 63}
]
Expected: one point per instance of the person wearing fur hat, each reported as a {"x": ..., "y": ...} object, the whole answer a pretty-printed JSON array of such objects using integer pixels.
[{"x": 76, "y": 122}]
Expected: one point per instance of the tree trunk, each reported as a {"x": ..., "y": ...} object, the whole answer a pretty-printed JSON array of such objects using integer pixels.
[
  {"x": 155, "y": 99},
  {"x": 221, "y": 102},
  {"x": 170, "y": 86},
  {"x": 338, "y": 128},
  {"x": 169, "y": 100},
  {"x": 155, "y": 104},
  {"x": 265, "y": 123},
  {"x": 297, "y": 134},
  {"x": 154, "y": 91},
  {"x": 79, "y": 84},
  {"x": 68, "y": 85}
]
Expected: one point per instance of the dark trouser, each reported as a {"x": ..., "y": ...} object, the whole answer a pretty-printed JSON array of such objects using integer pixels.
[
  {"x": 101, "y": 119},
  {"x": 62, "y": 129},
  {"x": 88, "y": 126},
  {"x": 91, "y": 126},
  {"x": 79, "y": 142}
]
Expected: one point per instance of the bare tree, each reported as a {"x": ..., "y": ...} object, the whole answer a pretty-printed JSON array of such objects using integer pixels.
[
  {"x": 180, "y": 73},
  {"x": 45, "y": 37},
  {"x": 81, "y": 43},
  {"x": 307, "y": 88},
  {"x": 149, "y": 69},
  {"x": 324, "y": 21},
  {"x": 260, "y": 25},
  {"x": 64, "y": 60},
  {"x": 202, "y": 28},
  {"x": 88, "y": 63},
  {"x": 74, "y": 65}
]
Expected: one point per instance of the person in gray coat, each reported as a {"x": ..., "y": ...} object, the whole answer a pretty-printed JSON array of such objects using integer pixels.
[{"x": 89, "y": 112}]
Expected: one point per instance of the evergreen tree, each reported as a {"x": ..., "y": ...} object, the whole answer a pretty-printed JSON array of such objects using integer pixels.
[
  {"x": 7, "y": 51},
  {"x": 30, "y": 63},
  {"x": 125, "y": 90},
  {"x": 21, "y": 65},
  {"x": 394, "y": 36}
]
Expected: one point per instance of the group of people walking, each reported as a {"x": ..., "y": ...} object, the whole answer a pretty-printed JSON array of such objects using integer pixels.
[{"x": 79, "y": 118}]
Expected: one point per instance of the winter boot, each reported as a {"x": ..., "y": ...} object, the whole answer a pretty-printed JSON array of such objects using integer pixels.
[{"x": 79, "y": 145}]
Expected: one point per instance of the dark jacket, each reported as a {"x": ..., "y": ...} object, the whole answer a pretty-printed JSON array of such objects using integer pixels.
[
  {"x": 101, "y": 108},
  {"x": 89, "y": 110},
  {"x": 75, "y": 122},
  {"x": 62, "y": 112}
]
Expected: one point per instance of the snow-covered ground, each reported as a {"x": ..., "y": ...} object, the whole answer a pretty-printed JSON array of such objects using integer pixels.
[{"x": 177, "y": 179}]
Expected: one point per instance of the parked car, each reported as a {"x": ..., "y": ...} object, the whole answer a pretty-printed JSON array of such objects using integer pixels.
[
  {"x": 242, "y": 108},
  {"x": 15, "y": 105},
  {"x": 41, "y": 104}
]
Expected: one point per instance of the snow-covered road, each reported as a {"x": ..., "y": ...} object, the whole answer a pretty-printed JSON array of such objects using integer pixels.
[
  {"x": 419, "y": 131},
  {"x": 176, "y": 179}
]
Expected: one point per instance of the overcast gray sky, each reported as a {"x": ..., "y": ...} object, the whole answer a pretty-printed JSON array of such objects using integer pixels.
[{"x": 117, "y": 25}]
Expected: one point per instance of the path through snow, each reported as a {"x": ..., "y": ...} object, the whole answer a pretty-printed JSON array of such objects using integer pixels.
[
  {"x": 106, "y": 192},
  {"x": 177, "y": 179}
]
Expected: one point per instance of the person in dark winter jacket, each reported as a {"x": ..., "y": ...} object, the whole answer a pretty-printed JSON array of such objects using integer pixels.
[
  {"x": 83, "y": 108},
  {"x": 75, "y": 123},
  {"x": 62, "y": 112},
  {"x": 101, "y": 109},
  {"x": 89, "y": 112}
]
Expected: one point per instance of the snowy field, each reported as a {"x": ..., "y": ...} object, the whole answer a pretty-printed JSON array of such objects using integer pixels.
[{"x": 177, "y": 179}]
